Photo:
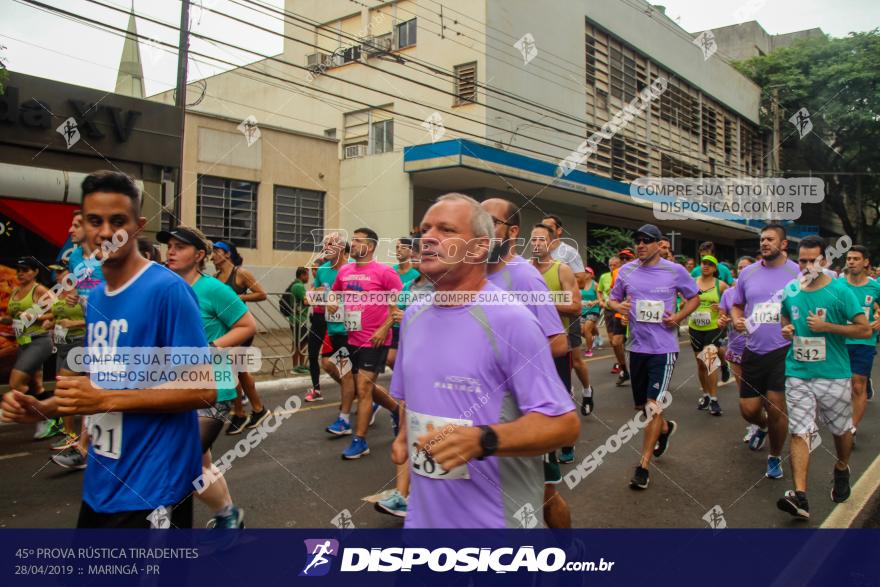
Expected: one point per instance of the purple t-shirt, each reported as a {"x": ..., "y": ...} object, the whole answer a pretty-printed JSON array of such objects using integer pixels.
[
  {"x": 520, "y": 275},
  {"x": 759, "y": 284},
  {"x": 477, "y": 365},
  {"x": 645, "y": 285},
  {"x": 736, "y": 340}
]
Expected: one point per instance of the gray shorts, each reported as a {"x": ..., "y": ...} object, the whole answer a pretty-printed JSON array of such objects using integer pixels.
[
  {"x": 218, "y": 411},
  {"x": 62, "y": 349},
  {"x": 574, "y": 333},
  {"x": 590, "y": 317},
  {"x": 829, "y": 399},
  {"x": 31, "y": 356}
]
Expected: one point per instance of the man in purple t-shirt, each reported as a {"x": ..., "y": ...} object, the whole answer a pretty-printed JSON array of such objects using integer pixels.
[
  {"x": 489, "y": 400},
  {"x": 649, "y": 285},
  {"x": 755, "y": 312},
  {"x": 511, "y": 272}
]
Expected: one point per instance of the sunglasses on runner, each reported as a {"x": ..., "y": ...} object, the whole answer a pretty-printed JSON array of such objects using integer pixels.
[{"x": 644, "y": 240}]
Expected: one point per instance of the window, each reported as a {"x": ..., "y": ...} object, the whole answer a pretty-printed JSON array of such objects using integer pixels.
[
  {"x": 678, "y": 107},
  {"x": 672, "y": 167},
  {"x": 382, "y": 137},
  {"x": 226, "y": 209},
  {"x": 406, "y": 34},
  {"x": 297, "y": 213},
  {"x": 466, "y": 83}
]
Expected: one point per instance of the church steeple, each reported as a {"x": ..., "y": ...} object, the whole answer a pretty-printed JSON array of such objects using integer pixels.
[{"x": 130, "y": 79}]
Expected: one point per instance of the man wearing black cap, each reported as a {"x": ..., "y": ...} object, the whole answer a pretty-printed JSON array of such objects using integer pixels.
[{"x": 646, "y": 291}]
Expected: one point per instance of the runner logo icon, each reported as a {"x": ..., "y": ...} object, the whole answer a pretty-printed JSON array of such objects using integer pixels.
[{"x": 320, "y": 553}]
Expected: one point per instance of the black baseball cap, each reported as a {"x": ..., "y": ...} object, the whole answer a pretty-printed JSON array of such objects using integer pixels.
[
  {"x": 28, "y": 263},
  {"x": 650, "y": 230},
  {"x": 184, "y": 235}
]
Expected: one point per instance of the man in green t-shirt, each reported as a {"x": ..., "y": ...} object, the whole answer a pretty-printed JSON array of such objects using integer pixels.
[
  {"x": 724, "y": 274},
  {"x": 299, "y": 315},
  {"x": 861, "y": 350},
  {"x": 818, "y": 314}
]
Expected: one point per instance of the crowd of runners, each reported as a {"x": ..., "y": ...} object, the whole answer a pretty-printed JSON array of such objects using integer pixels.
[{"x": 482, "y": 400}]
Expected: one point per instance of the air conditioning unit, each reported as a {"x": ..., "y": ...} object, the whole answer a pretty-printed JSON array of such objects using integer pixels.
[
  {"x": 377, "y": 45},
  {"x": 355, "y": 151},
  {"x": 318, "y": 61}
]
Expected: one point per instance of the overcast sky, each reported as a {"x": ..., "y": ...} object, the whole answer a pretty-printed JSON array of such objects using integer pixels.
[{"x": 46, "y": 45}]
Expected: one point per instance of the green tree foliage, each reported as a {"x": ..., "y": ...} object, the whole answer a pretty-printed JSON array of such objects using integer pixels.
[
  {"x": 605, "y": 242},
  {"x": 838, "y": 81}
]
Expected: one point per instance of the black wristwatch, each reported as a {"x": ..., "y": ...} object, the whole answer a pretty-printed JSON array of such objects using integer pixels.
[{"x": 488, "y": 442}]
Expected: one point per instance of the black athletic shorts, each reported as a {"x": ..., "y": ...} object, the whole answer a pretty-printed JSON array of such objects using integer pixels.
[
  {"x": 180, "y": 516},
  {"x": 395, "y": 336},
  {"x": 367, "y": 358},
  {"x": 332, "y": 343},
  {"x": 763, "y": 373},
  {"x": 702, "y": 338},
  {"x": 574, "y": 333},
  {"x": 650, "y": 376},
  {"x": 614, "y": 324},
  {"x": 563, "y": 369}
]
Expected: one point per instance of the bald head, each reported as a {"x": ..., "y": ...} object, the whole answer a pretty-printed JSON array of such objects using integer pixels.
[{"x": 505, "y": 216}]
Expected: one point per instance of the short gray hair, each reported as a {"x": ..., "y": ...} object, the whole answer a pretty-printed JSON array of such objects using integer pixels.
[{"x": 481, "y": 221}]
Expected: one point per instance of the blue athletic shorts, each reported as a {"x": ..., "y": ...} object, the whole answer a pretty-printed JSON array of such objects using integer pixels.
[
  {"x": 861, "y": 358},
  {"x": 650, "y": 376}
]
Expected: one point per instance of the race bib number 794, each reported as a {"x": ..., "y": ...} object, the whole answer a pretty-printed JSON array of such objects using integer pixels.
[
  {"x": 422, "y": 463},
  {"x": 649, "y": 311}
]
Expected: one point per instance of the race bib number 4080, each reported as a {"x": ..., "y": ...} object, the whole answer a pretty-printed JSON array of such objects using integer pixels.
[
  {"x": 649, "y": 311},
  {"x": 422, "y": 463},
  {"x": 105, "y": 433}
]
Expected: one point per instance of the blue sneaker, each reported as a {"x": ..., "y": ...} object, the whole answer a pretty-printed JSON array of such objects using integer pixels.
[
  {"x": 395, "y": 421},
  {"x": 339, "y": 428},
  {"x": 566, "y": 455},
  {"x": 774, "y": 468},
  {"x": 393, "y": 505},
  {"x": 756, "y": 442},
  {"x": 373, "y": 415},
  {"x": 234, "y": 520},
  {"x": 356, "y": 449}
]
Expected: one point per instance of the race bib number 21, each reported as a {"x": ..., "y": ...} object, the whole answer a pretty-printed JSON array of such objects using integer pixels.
[{"x": 105, "y": 434}]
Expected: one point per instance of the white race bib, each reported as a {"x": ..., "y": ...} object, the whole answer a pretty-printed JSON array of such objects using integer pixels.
[
  {"x": 18, "y": 327},
  {"x": 810, "y": 349},
  {"x": 337, "y": 316},
  {"x": 649, "y": 311},
  {"x": 59, "y": 334},
  {"x": 422, "y": 464},
  {"x": 105, "y": 433},
  {"x": 353, "y": 321},
  {"x": 766, "y": 313},
  {"x": 702, "y": 318}
]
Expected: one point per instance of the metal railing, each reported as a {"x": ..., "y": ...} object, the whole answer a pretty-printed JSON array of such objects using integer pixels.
[{"x": 275, "y": 336}]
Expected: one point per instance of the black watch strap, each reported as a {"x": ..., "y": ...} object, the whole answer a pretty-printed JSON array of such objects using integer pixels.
[{"x": 488, "y": 442}]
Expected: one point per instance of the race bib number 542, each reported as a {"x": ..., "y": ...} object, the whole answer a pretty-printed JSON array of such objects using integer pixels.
[{"x": 422, "y": 463}]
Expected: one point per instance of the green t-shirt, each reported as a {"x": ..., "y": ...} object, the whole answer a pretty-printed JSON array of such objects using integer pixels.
[
  {"x": 407, "y": 277},
  {"x": 723, "y": 273},
  {"x": 867, "y": 295},
  {"x": 325, "y": 276},
  {"x": 840, "y": 306},
  {"x": 220, "y": 308},
  {"x": 61, "y": 310},
  {"x": 604, "y": 284},
  {"x": 300, "y": 312}
]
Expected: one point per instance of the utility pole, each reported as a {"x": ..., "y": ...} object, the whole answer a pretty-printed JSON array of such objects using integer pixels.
[
  {"x": 180, "y": 100},
  {"x": 774, "y": 109}
]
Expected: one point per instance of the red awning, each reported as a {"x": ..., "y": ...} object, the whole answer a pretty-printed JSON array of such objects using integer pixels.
[{"x": 50, "y": 220}]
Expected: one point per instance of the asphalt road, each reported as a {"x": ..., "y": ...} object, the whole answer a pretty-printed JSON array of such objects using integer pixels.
[{"x": 295, "y": 478}]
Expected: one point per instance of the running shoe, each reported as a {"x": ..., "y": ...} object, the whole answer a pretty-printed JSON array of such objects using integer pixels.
[
  {"x": 588, "y": 352},
  {"x": 795, "y": 503},
  {"x": 65, "y": 442},
  {"x": 870, "y": 389},
  {"x": 840, "y": 491},
  {"x": 622, "y": 378},
  {"x": 566, "y": 455},
  {"x": 616, "y": 368},
  {"x": 47, "y": 429},
  {"x": 587, "y": 405},
  {"x": 394, "y": 505},
  {"x": 373, "y": 414},
  {"x": 236, "y": 425},
  {"x": 357, "y": 449},
  {"x": 640, "y": 478},
  {"x": 663, "y": 441},
  {"x": 703, "y": 404},
  {"x": 232, "y": 521},
  {"x": 339, "y": 428},
  {"x": 756, "y": 442},
  {"x": 313, "y": 395},
  {"x": 750, "y": 431},
  {"x": 301, "y": 370},
  {"x": 258, "y": 418},
  {"x": 395, "y": 421},
  {"x": 774, "y": 468},
  {"x": 714, "y": 407},
  {"x": 725, "y": 371},
  {"x": 70, "y": 459}
]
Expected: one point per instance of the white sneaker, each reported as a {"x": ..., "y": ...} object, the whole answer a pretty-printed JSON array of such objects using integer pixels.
[{"x": 750, "y": 429}]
